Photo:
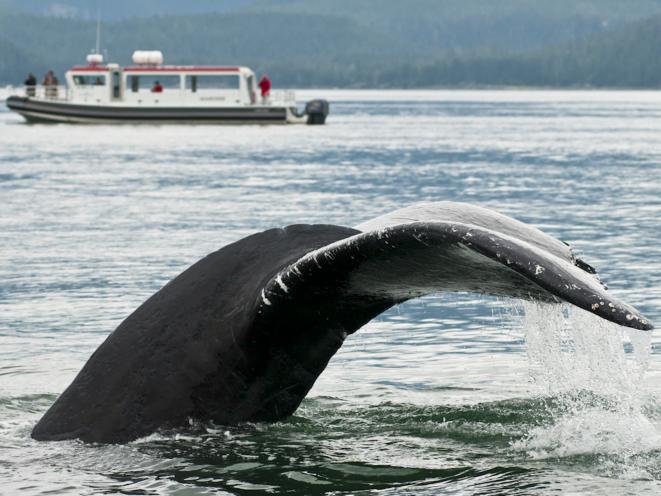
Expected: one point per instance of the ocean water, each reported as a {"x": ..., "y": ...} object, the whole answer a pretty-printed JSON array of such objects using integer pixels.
[{"x": 449, "y": 394}]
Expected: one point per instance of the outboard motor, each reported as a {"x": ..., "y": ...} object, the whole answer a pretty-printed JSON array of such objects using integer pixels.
[{"x": 316, "y": 110}]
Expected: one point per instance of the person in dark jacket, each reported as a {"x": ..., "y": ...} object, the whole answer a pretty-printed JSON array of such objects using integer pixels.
[{"x": 30, "y": 85}]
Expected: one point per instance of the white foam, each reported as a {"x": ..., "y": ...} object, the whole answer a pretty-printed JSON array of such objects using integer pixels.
[{"x": 582, "y": 362}]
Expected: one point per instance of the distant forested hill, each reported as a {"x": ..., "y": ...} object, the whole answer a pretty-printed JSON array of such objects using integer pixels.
[
  {"x": 353, "y": 43},
  {"x": 627, "y": 57},
  {"x": 123, "y": 9},
  {"x": 461, "y": 26}
]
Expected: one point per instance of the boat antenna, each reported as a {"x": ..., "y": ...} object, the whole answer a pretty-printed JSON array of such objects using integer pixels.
[{"x": 98, "y": 30}]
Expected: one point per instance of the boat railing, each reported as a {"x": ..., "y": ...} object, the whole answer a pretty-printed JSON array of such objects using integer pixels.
[
  {"x": 43, "y": 92},
  {"x": 63, "y": 93},
  {"x": 282, "y": 97}
]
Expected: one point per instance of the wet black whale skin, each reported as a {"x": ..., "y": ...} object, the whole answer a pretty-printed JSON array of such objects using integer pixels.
[
  {"x": 192, "y": 349},
  {"x": 243, "y": 334}
]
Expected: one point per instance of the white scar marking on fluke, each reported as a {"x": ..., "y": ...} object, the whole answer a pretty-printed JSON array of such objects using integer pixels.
[
  {"x": 282, "y": 285},
  {"x": 265, "y": 299},
  {"x": 539, "y": 269}
]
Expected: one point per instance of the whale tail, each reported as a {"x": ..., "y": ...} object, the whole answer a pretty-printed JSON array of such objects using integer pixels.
[{"x": 243, "y": 334}]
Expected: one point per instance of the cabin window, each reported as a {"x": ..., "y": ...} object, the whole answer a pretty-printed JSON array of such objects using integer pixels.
[
  {"x": 147, "y": 82},
  {"x": 199, "y": 82},
  {"x": 87, "y": 80}
]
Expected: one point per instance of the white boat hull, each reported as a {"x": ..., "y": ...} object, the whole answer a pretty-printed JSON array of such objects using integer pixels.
[{"x": 40, "y": 110}]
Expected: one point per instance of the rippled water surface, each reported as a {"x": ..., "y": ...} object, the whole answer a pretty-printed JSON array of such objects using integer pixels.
[{"x": 447, "y": 394}]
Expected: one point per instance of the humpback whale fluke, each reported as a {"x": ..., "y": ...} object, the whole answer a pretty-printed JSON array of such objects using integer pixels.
[{"x": 243, "y": 334}]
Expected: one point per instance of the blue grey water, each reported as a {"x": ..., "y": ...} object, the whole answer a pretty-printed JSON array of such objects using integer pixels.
[{"x": 453, "y": 394}]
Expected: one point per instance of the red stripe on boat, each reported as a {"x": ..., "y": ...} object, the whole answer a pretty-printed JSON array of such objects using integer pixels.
[
  {"x": 159, "y": 69},
  {"x": 182, "y": 68}
]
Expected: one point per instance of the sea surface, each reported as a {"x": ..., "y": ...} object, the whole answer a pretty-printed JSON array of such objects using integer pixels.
[{"x": 448, "y": 394}]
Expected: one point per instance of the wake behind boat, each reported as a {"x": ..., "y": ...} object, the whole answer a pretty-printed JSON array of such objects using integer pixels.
[{"x": 149, "y": 91}]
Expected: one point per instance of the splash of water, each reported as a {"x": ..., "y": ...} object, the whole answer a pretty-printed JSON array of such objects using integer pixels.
[{"x": 593, "y": 371}]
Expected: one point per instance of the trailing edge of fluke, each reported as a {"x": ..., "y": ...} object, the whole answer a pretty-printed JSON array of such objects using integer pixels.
[{"x": 243, "y": 334}]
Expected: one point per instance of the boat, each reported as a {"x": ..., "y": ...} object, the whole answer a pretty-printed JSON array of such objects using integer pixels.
[{"x": 150, "y": 92}]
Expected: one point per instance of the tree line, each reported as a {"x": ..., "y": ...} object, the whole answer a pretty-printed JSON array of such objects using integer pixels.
[{"x": 318, "y": 49}]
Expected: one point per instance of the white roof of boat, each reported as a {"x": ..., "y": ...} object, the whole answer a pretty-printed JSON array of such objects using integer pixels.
[{"x": 164, "y": 68}]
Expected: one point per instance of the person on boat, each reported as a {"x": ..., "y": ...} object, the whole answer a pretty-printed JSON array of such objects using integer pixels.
[
  {"x": 48, "y": 79},
  {"x": 265, "y": 87},
  {"x": 157, "y": 88},
  {"x": 50, "y": 83},
  {"x": 30, "y": 85}
]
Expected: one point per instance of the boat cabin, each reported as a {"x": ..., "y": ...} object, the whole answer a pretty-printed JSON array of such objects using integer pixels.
[{"x": 148, "y": 82}]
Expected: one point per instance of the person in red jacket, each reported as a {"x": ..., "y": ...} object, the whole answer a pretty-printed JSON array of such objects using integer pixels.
[
  {"x": 157, "y": 88},
  {"x": 265, "y": 87}
]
